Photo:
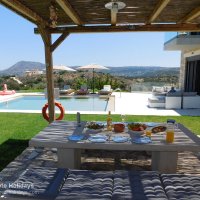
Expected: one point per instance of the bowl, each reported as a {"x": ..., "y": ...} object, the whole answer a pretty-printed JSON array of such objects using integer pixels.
[
  {"x": 137, "y": 129},
  {"x": 136, "y": 133},
  {"x": 118, "y": 128}
]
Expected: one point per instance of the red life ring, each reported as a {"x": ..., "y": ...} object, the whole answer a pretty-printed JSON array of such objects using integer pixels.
[{"x": 46, "y": 116}]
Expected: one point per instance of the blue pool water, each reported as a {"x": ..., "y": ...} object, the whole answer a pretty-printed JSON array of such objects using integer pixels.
[{"x": 69, "y": 103}]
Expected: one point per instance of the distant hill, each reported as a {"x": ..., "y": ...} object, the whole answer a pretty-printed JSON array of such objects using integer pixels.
[
  {"x": 144, "y": 71},
  {"x": 127, "y": 71},
  {"x": 20, "y": 67}
]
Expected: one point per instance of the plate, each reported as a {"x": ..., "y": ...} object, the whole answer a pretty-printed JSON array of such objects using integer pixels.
[
  {"x": 75, "y": 137},
  {"x": 94, "y": 126},
  {"x": 98, "y": 138},
  {"x": 151, "y": 124},
  {"x": 142, "y": 140},
  {"x": 159, "y": 129},
  {"x": 94, "y": 130},
  {"x": 120, "y": 139}
]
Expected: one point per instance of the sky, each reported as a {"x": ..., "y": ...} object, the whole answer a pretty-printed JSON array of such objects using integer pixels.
[{"x": 18, "y": 42}]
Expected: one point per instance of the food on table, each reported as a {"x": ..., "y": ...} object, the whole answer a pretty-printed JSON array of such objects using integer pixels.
[
  {"x": 137, "y": 126},
  {"x": 158, "y": 129},
  {"x": 119, "y": 127},
  {"x": 94, "y": 125}
]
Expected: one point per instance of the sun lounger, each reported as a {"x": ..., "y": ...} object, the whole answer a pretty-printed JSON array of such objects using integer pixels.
[
  {"x": 106, "y": 90},
  {"x": 66, "y": 90},
  {"x": 83, "y": 90}
]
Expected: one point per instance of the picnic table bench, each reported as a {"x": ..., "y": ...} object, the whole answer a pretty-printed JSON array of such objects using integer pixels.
[{"x": 65, "y": 184}]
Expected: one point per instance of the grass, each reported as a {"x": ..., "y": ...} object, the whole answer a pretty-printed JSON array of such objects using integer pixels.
[
  {"x": 30, "y": 90},
  {"x": 17, "y": 129}
]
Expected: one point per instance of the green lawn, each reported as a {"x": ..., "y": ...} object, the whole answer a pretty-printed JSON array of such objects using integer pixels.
[{"x": 17, "y": 129}]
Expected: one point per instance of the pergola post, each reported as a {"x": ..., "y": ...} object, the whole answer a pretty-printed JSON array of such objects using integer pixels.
[
  {"x": 50, "y": 81},
  {"x": 46, "y": 36}
]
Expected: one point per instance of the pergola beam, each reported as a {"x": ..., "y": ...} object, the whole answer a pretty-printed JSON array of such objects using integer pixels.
[
  {"x": 190, "y": 16},
  {"x": 127, "y": 28},
  {"x": 58, "y": 41},
  {"x": 66, "y": 6},
  {"x": 21, "y": 9},
  {"x": 158, "y": 9}
]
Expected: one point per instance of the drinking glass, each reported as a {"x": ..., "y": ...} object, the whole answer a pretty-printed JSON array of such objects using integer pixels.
[
  {"x": 170, "y": 133},
  {"x": 123, "y": 117},
  {"x": 148, "y": 133}
]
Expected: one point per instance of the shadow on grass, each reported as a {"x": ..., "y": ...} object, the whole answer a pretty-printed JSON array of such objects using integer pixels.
[{"x": 10, "y": 149}]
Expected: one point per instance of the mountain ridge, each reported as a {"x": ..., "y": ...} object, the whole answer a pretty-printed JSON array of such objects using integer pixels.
[{"x": 19, "y": 68}]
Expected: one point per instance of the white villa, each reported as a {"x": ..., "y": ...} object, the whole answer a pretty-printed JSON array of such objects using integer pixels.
[
  {"x": 34, "y": 72},
  {"x": 189, "y": 45}
]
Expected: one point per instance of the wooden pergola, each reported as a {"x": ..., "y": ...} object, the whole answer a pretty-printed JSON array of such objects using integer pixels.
[{"x": 91, "y": 16}]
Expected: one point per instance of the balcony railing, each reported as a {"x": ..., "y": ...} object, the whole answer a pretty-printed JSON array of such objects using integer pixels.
[{"x": 172, "y": 35}]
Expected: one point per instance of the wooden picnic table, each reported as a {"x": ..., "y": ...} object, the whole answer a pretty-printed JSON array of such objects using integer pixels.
[{"x": 164, "y": 155}]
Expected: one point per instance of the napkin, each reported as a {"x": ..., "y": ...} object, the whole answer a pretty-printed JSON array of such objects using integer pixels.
[
  {"x": 119, "y": 139},
  {"x": 98, "y": 138},
  {"x": 151, "y": 124},
  {"x": 75, "y": 137},
  {"x": 142, "y": 140}
]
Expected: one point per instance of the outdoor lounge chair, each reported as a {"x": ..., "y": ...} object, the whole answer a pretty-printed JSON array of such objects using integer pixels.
[
  {"x": 66, "y": 90},
  {"x": 106, "y": 90},
  {"x": 173, "y": 100},
  {"x": 83, "y": 90}
]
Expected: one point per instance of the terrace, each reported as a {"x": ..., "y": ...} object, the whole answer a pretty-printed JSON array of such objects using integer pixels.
[
  {"x": 46, "y": 160},
  {"x": 78, "y": 17}
]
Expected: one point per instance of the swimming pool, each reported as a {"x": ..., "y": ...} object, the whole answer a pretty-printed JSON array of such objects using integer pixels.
[{"x": 69, "y": 103}]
